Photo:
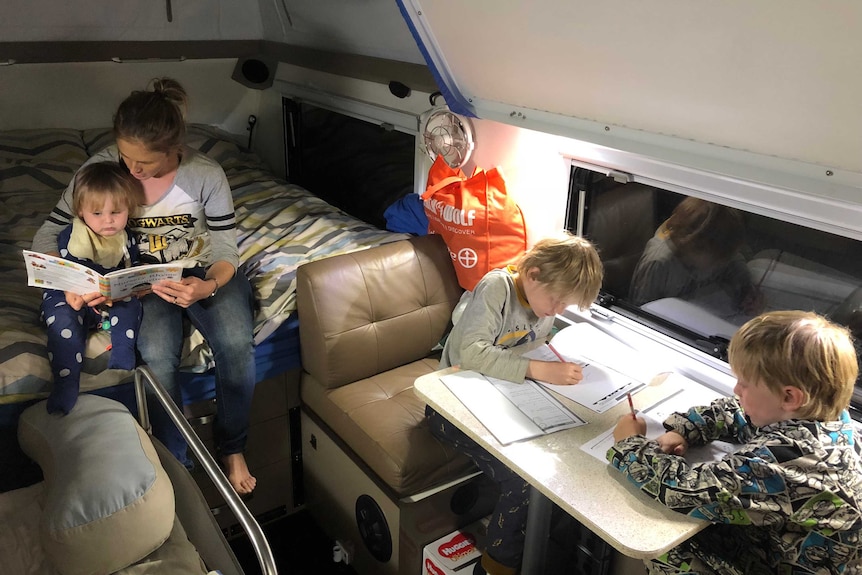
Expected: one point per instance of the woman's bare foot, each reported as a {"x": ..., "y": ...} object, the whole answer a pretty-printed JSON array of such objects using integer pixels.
[{"x": 238, "y": 474}]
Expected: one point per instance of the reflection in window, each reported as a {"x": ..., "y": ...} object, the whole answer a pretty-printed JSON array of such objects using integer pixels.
[{"x": 695, "y": 256}]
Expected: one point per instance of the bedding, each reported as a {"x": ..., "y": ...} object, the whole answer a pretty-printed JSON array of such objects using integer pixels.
[{"x": 280, "y": 226}]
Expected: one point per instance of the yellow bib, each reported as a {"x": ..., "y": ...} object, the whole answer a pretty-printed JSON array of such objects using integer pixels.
[{"x": 84, "y": 243}]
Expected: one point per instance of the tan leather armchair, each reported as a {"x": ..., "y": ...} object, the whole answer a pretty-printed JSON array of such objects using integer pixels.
[{"x": 368, "y": 322}]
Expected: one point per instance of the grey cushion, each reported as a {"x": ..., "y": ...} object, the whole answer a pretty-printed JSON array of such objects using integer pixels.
[{"x": 109, "y": 502}]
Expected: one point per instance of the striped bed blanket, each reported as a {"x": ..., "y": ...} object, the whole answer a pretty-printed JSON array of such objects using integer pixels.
[{"x": 280, "y": 226}]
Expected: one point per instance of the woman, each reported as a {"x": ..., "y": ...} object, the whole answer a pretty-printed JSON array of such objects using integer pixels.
[{"x": 187, "y": 216}]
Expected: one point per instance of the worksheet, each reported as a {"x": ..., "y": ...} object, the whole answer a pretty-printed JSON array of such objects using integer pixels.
[
  {"x": 688, "y": 395},
  {"x": 510, "y": 411},
  {"x": 612, "y": 370}
]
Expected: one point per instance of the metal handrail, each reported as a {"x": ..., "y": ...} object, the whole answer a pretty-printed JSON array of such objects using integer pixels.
[{"x": 143, "y": 376}]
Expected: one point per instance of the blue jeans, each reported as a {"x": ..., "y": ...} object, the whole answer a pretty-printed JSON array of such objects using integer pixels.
[{"x": 225, "y": 321}]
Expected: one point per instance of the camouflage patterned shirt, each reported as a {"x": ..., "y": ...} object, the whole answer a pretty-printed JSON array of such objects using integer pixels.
[{"x": 787, "y": 501}]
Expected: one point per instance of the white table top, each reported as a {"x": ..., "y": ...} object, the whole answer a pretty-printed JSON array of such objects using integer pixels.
[{"x": 597, "y": 495}]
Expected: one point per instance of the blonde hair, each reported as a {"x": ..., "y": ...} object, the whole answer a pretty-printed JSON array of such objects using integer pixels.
[
  {"x": 800, "y": 349},
  {"x": 94, "y": 183},
  {"x": 155, "y": 117},
  {"x": 569, "y": 266}
]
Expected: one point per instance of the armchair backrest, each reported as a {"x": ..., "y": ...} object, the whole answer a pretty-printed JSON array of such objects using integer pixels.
[{"x": 369, "y": 311}]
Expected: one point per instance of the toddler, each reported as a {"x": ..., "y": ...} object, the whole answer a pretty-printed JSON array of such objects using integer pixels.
[{"x": 104, "y": 195}]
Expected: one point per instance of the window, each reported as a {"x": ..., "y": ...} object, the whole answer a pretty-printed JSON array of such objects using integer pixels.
[
  {"x": 356, "y": 165},
  {"x": 696, "y": 270}
]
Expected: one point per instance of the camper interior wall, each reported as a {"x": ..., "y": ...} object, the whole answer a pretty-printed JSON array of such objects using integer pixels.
[
  {"x": 536, "y": 172},
  {"x": 85, "y": 95},
  {"x": 532, "y": 162}
]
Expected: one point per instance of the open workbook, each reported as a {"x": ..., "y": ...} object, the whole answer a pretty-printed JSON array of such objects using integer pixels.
[
  {"x": 687, "y": 395},
  {"x": 52, "y": 272},
  {"x": 510, "y": 411},
  {"x": 516, "y": 411},
  {"x": 612, "y": 370}
]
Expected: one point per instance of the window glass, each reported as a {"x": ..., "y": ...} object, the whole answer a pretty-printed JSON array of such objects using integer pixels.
[
  {"x": 696, "y": 270},
  {"x": 356, "y": 165}
]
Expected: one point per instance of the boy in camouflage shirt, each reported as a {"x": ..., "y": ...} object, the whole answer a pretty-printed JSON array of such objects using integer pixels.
[{"x": 788, "y": 500}]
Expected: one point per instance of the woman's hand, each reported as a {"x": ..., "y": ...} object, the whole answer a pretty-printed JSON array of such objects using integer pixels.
[
  {"x": 192, "y": 289},
  {"x": 76, "y": 302},
  {"x": 184, "y": 292},
  {"x": 558, "y": 373},
  {"x": 628, "y": 426}
]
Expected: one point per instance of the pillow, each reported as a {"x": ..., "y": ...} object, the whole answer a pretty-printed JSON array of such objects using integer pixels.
[
  {"x": 109, "y": 502},
  {"x": 60, "y": 144},
  {"x": 215, "y": 143},
  {"x": 95, "y": 139}
]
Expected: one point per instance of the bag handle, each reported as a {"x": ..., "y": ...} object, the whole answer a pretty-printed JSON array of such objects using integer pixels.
[{"x": 431, "y": 190}]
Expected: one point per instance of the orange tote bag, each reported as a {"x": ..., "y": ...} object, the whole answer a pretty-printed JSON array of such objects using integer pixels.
[{"x": 482, "y": 226}]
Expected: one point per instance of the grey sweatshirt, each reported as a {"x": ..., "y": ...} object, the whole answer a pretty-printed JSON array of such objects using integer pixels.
[{"x": 495, "y": 319}]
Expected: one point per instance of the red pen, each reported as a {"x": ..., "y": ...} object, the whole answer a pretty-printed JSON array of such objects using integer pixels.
[
  {"x": 631, "y": 406},
  {"x": 560, "y": 357}
]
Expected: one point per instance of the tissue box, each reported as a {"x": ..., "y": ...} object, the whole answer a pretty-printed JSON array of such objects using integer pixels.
[{"x": 453, "y": 553}]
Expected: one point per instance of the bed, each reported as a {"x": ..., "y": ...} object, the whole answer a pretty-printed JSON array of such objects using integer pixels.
[{"x": 280, "y": 226}]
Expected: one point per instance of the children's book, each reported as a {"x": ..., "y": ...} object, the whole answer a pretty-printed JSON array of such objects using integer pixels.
[{"x": 52, "y": 272}]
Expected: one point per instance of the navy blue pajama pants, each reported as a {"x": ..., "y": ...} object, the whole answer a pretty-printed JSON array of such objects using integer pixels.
[
  {"x": 67, "y": 340},
  {"x": 507, "y": 529}
]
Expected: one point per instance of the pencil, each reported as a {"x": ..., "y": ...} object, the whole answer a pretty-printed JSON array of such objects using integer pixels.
[
  {"x": 560, "y": 357},
  {"x": 631, "y": 406}
]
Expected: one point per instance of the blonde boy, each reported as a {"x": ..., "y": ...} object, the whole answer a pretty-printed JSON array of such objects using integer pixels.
[
  {"x": 508, "y": 308},
  {"x": 517, "y": 305},
  {"x": 789, "y": 500}
]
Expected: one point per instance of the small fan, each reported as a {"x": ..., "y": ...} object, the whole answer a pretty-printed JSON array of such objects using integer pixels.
[{"x": 449, "y": 135}]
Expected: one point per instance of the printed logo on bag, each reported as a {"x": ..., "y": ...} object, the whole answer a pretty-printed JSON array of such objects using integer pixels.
[
  {"x": 468, "y": 258},
  {"x": 460, "y": 545},
  {"x": 432, "y": 569},
  {"x": 452, "y": 215}
]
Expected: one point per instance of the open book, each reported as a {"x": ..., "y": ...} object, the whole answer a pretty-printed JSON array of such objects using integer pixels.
[
  {"x": 52, "y": 272},
  {"x": 689, "y": 393}
]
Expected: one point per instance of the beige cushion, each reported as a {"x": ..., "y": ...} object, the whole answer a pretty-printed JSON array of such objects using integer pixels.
[
  {"x": 383, "y": 421},
  {"x": 177, "y": 556},
  {"x": 367, "y": 312},
  {"x": 108, "y": 502},
  {"x": 368, "y": 322}
]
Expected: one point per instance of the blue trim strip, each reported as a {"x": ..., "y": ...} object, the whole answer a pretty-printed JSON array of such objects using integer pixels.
[{"x": 454, "y": 99}]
